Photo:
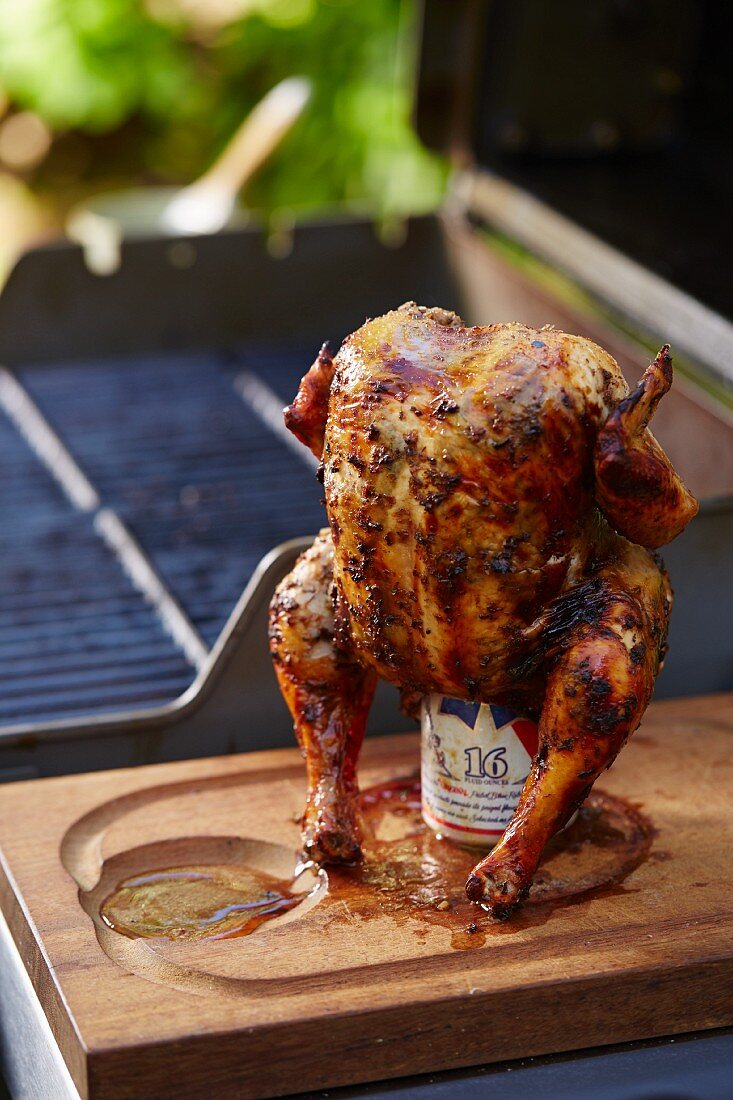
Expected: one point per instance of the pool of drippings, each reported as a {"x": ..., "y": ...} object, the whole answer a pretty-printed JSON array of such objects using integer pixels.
[
  {"x": 197, "y": 902},
  {"x": 407, "y": 874},
  {"x": 411, "y": 874}
]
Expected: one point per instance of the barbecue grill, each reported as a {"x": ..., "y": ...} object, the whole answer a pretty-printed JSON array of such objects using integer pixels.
[{"x": 152, "y": 499}]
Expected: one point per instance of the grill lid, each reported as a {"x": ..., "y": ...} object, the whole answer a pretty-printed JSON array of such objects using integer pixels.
[{"x": 616, "y": 115}]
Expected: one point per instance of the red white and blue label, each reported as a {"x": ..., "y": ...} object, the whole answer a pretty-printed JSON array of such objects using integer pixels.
[{"x": 475, "y": 759}]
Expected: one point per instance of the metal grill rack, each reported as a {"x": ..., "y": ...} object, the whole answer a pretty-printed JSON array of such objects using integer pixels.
[{"x": 121, "y": 570}]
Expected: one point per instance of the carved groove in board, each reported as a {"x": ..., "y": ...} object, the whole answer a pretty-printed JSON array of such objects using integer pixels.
[
  {"x": 81, "y": 853},
  {"x": 142, "y": 957},
  {"x": 81, "y": 846}
]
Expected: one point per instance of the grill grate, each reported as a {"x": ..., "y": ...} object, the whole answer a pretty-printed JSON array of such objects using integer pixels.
[
  {"x": 70, "y": 620},
  {"x": 200, "y": 480}
]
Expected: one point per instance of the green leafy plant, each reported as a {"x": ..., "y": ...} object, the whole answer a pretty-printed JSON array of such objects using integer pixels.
[{"x": 155, "y": 90}]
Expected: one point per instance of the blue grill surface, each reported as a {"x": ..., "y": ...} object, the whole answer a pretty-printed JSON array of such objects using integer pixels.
[{"x": 203, "y": 484}]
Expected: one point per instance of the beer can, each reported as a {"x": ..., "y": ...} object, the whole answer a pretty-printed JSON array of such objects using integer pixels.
[{"x": 475, "y": 759}]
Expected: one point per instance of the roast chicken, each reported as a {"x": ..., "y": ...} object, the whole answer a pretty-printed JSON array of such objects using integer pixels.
[{"x": 494, "y": 499}]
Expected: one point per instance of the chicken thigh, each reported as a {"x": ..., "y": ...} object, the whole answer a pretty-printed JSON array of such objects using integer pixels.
[{"x": 494, "y": 497}]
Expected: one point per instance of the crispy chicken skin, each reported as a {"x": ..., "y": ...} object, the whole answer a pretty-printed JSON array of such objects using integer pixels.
[{"x": 493, "y": 494}]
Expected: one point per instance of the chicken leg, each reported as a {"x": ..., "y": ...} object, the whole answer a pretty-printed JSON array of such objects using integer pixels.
[
  {"x": 612, "y": 643},
  {"x": 328, "y": 694}
]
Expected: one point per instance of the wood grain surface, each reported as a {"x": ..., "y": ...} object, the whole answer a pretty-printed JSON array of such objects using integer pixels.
[{"x": 326, "y": 996}]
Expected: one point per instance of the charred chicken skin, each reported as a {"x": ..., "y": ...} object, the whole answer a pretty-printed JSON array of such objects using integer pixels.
[{"x": 494, "y": 496}]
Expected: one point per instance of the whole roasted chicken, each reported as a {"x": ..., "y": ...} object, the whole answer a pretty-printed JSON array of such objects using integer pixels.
[{"x": 493, "y": 496}]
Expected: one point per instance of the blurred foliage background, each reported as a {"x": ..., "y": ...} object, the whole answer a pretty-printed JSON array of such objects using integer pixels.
[{"x": 100, "y": 94}]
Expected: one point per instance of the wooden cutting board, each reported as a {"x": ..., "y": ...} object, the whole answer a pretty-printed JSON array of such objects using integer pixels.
[{"x": 348, "y": 986}]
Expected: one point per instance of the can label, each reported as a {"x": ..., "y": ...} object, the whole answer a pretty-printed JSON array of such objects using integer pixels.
[{"x": 475, "y": 759}]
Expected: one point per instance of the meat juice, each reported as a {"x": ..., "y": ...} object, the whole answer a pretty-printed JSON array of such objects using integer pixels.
[
  {"x": 408, "y": 873},
  {"x": 418, "y": 878},
  {"x": 475, "y": 759},
  {"x": 196, "y": 902}
]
